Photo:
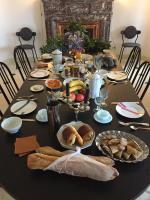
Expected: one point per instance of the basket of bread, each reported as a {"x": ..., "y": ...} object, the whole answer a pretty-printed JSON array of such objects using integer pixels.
[
  {"x": 75, "y": 163},
  {"x": 75, "y": 134}
]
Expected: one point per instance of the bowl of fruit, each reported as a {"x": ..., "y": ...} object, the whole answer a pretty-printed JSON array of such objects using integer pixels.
[{"x": 76, "y": 90}]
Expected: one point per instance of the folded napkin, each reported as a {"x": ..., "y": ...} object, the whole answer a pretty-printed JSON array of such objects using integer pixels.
[{"x": 26, "y": 145}]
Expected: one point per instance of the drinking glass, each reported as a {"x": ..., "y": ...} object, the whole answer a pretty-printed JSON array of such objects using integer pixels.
[
  {"x": 104, "y": 96},
  {"x": 98, "y": 62}
]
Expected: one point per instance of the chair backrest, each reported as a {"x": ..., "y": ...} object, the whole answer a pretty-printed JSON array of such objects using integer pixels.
[
  {"x": 130, "y": 32},
  {"x": 26, "y": 34},
  {"x": 141, "y": 80},
  {"x": 133, "y": 61},
  {"x": 22, "y": 62},
  {"x": 8, "y": 80}
]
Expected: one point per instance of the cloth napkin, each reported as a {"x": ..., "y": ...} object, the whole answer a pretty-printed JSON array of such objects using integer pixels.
[{"x": 26, "y": 145}]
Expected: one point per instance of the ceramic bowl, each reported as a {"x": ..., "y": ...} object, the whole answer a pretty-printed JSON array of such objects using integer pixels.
[
  {"x": 103, "y": 115},
  {"x": 11, "y": 124}
]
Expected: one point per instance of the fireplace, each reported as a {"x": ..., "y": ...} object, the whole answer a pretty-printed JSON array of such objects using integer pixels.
[{"x": 95, "y": 15}]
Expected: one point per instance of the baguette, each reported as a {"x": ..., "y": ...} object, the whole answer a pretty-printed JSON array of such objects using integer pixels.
[
  {"x": 39, "y": 161},
  {"x": 53, "y": 152}
]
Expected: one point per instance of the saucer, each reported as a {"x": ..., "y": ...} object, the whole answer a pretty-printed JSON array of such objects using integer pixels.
[
  {"x": 37, "y": 88},
  {"x": 102, "y": 120}
]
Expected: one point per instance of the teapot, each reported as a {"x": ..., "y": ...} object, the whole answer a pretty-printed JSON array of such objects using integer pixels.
[{"x": 57, "y": 57}]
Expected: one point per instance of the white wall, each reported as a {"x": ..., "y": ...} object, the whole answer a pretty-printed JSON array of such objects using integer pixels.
[
  {"x": 15, "y": 14},
  {"x": 131, "y": 12}
]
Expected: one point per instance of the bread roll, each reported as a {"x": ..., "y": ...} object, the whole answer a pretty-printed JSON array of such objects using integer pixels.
[
  {"x": 70, "y": 135},
  {"x": 39, "y": 161},
  {"x": 85, "y": 132}
]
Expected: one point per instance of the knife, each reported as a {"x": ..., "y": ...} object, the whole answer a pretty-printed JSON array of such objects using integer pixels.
[{"x": 18, "y": 109}]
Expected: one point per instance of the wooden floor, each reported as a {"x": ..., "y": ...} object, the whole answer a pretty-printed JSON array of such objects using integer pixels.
[{"x": 5, "y": 196}]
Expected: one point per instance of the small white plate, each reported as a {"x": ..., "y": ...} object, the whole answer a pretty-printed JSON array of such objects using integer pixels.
[
  {"x": 117, "y": 75},
  {"x": 133, "y": 107},
  {"x": 30, "y": 107},
  {"x": 102, "y": 121},
  {"x": 37, "y": 88},
  {"x": 76, "y": 125},
  {"x": 40, "y": 73}
]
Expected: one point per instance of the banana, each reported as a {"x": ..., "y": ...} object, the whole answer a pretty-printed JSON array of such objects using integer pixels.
[
  {"x": 74, "y": 88},
  {"x": 76, "y": 83}
]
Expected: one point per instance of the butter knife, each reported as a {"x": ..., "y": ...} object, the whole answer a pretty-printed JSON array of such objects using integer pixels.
[{"x": 18, "y": 109}]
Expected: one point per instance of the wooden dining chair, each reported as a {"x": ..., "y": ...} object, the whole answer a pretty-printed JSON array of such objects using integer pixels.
[
  {"x": 8, "y": 82},
  {"x": 141, "y": 80},
  {"x": 133, "y": 62},
  {"x": 22, "y": 62}
]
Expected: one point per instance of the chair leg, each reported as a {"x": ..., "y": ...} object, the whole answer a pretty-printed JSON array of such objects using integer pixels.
[
  {"x": 121, "y": 54},
  {"x": 33, "y": 54}
]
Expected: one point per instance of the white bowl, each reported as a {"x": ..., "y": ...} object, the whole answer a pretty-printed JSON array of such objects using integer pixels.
[{"x": 11, "y": 124}]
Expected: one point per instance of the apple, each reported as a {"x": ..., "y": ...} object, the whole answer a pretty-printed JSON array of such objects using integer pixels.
[
  {"x": 79, "y": 97},
  {"x": 72, "y": 96}
]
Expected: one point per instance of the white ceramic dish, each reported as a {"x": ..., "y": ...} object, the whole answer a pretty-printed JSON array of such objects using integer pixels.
[
  {"x": 117, "y": 75},
  {"x": 28, "y": 108},
  {"x": 76, "y": 125},
  {"x": 11, "y": 124},
  {"x": 40, "y": 73},
  {"x": 133, "y": 107},
  {"x": 105, "y": 120},
  {"x": 41, "y": 116},
  {"x": 46, "y": 56},
  {"x": 37, "y": 88}
]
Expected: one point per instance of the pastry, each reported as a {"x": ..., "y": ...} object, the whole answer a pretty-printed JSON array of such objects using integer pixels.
[
  {"x": 39, "y": 161},
  {"x": 85, "y": 132},
  {"x": 70, "y": 135}
]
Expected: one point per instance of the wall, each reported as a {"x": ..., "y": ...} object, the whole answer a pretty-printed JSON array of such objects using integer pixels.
[
  {"x": 127, "y": 12},
  {"x": 15, "y": 14}
]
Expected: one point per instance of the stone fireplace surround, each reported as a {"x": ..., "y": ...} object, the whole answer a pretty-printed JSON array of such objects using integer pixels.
[{"x": 94, "y": 14}]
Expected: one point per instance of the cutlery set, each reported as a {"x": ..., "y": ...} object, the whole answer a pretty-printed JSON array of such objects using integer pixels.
[{"x": 144, "y": 126}]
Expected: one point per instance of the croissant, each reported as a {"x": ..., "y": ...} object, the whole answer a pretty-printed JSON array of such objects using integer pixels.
[{"x": 85, "y": 132}]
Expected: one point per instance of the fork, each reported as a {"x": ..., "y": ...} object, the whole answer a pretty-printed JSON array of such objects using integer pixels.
[{"x": 131, "y": 123}]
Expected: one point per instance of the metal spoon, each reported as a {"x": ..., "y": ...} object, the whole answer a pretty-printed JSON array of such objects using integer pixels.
[
  {"x": 130, "y": 123},
  {"x": 138, "y": 127}
]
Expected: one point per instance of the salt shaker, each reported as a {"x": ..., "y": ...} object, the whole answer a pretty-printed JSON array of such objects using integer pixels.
[{"x": 95, "y": 85}]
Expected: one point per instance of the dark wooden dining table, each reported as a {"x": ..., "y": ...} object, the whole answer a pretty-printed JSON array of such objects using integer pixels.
[{"x": 25, "y": 184}]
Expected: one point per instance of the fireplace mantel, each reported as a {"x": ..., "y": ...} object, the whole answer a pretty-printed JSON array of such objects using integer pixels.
[{"x": 96, "y": 12}]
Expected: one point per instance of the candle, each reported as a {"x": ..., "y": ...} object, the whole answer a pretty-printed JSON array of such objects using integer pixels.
[
  {"x": 67, "y": 90},
  {"x": 86, "y": 97}
]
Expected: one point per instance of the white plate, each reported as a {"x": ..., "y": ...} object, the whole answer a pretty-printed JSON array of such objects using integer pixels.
[
  {"x": 76, "y": 125},
  {"x": 102, "y": 72},
  {"x": 37, "y": 88},
  {"x": 40, "y": 73},
  {"x": 30, "y": 107},
  {"x": 102, "y": 121},
  {"x": 133, "y": 107},
  {"x": 46, "y": 56},
  {"x": 67, "y": 80},
  {"x": 117, "y": 75}
]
